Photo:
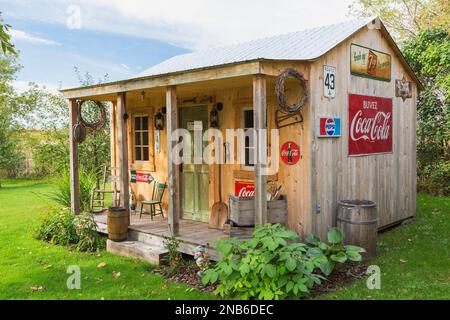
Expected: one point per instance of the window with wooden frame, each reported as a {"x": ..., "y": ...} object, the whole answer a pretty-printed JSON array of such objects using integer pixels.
[
  {"x": 141, "y": 138},
  {"x": 249, "y": 143}
]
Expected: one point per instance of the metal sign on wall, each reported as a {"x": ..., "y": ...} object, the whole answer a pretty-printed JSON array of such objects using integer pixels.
[
  {"x": 370, "y": 63},
  {"x": 140, "y": 177},
  {"x": 328, "y": 127},
  {"x": 244, "y": 189},
  {"x": 290, "y": 153},
  {"x": 369, "y": 125},
  {"x": 329, "y": 82}
]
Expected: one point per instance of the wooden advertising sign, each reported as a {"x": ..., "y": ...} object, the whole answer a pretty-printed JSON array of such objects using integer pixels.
[
  {"x": 369, "y": 125},
  {"x": 370, "y": 63}
]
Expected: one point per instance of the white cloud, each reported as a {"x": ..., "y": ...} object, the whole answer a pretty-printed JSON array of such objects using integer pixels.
[
  {"x": 123, "y": 65},
  {"x": 192, "y": 24},
  {"x": 28, "y": 37}
]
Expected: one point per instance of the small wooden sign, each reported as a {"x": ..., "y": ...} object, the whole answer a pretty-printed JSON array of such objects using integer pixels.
[
  {"x": 403, "y": 89},
  {"x": 370, "y": 63}
]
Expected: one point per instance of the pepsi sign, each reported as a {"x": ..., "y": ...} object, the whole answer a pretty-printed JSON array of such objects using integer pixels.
[{"x": 328, "y": 127}]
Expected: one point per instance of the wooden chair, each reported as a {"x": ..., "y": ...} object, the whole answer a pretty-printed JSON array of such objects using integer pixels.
[
  {"x": 157, "y": 195},
  {"x": 98, "y": 195}
]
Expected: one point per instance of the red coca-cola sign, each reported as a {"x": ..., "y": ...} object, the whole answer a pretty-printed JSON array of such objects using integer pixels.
[
  {"x": 290, "y": 153},
  {"x": 369, "y": 125},
  {"x": 244, "y": 189}
]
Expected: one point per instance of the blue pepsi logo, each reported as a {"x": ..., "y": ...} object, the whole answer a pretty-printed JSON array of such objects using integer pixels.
[{"x": 330, "y": 126}]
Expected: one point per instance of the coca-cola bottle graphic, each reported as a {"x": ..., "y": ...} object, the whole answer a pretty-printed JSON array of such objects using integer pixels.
[{"x": 289, "y": 155}]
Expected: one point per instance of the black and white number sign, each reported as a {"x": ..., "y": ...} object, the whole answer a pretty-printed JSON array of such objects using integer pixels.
[{"x": 329, "y": 81}]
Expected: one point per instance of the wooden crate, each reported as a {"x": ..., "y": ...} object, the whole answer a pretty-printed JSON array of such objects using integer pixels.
[{"x": 242, "y": 211}]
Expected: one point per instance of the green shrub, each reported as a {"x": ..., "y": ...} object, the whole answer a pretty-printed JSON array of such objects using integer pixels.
[
  {"x": 60, "y": 226},
  {"x": 332, "y": 252},
  {"x": 435, "y": 179},
  {"x": 61, "y": 189},
  {"x": 271, "y": 265}
]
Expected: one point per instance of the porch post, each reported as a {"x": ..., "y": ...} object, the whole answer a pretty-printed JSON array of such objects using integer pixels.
[
  {"x": 122, "y": 149},
  {"x": 173, "y": 170},
  {"x": 112, "y": 141},
  {"x": 260, "y": 122},
  {"x": 74, "y": 178}
]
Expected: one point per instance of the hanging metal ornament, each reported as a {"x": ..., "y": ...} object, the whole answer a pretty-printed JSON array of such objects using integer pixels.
[
  {"x": 279, "y": 90},
  {"x": 79, "y": 133},
  {"x": 94, "y": 125}
]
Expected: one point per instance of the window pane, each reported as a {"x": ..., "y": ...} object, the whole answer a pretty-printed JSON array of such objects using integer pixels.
[
  {"x": 145, "y": 149},
  {"x": 137, "y": 138},
  {"x": 137, "y": 123},
  {"x": 145, "y": 138},
  {"x": 248, "y": 118},
  {"x": 137, "y": 155},
  {"x": 144, "y": 123}
]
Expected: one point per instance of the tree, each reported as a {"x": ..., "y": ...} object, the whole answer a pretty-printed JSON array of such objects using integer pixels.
[
  {"x": 5, "y": 38},
  {"x": 10, "y": 155},
  {"x": 405, "y": 18},
  {"x": 39, "y": 109}
]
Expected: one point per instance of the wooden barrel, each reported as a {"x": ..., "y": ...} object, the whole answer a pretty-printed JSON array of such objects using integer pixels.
[
  {"x": 359, "y": 221},
  {"x": 117, "y": 224}
]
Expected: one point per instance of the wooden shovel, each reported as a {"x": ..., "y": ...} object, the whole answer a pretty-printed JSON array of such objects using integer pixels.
[{"x": 219, "y": 212}]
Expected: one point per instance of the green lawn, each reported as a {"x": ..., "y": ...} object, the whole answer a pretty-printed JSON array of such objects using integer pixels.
[
  {"x": 26, "y": 262},
  {"x": 414, "y": 259}
]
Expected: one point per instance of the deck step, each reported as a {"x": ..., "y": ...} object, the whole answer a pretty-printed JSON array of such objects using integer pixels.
[{"x": 136, "y": 249}]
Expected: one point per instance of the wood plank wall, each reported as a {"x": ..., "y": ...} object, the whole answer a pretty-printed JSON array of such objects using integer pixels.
[{"x": 387, "y": 179}]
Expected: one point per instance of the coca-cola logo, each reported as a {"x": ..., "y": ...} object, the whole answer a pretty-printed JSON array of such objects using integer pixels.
[
  {"x": 244, "y": 189},
  {"x": 370, "y": 125},
  {"x": 372, "y": 129},
  {"x": 290, "y": 153}
]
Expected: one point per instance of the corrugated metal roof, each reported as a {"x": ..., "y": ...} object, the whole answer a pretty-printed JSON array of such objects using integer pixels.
[{"x": 302, "y": 45}]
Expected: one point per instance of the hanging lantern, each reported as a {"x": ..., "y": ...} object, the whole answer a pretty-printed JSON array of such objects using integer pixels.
[
  {"x": 214, "y": 115},
  {"x": 159, "y": 121}
]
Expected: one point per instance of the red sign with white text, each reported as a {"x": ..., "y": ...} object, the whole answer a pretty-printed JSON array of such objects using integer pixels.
[
  {"x": 244, "y": 189},
  {"x": 369, "y": 125},
  {"x": 290, "y": 153}
]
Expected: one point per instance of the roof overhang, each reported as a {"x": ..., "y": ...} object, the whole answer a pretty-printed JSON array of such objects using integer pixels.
[{"x": 108, "y": 91}]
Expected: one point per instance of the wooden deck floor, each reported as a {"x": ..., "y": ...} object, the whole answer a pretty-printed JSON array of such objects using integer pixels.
[{"x": 192, "y": 233}]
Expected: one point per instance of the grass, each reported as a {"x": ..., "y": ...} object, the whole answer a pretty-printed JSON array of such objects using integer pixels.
[
  {"x": 26, "y": 263},
  {"x": 414, "y": 258}
]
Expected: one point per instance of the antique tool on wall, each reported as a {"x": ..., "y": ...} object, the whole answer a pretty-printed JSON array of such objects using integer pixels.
[
  {"x": 219, "y": 212},
  {"x": 288, "y": 114}
]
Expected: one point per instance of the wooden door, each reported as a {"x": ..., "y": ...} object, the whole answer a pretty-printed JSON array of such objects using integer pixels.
[{"x": 195, "y": 177}]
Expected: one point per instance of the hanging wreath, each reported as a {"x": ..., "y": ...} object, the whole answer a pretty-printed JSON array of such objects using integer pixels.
[
  {"x": 279, "y": 89},
  {"x": 93, "y": 125}
]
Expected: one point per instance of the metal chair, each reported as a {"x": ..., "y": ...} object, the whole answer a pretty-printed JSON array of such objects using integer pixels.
[
  {"x": 98, "y": 195},
  {"x": 157, "y": 195}
]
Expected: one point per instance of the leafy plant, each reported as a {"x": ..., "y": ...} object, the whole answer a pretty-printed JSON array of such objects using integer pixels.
[
  {"x": 173, "y": 259},
  {"x": 60, "y": 226},
  {"x": 271, "y": 265},
  {"x": 61, "y": 190},
  {"x": 274, "y": 265},
  {"x": 332, "y": 252}
]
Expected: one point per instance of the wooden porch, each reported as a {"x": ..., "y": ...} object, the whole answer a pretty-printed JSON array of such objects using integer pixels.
[{"x": 153, "y": 232}]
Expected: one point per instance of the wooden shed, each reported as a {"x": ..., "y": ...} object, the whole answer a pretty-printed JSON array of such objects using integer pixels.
[{"x": 353, "y": 138}]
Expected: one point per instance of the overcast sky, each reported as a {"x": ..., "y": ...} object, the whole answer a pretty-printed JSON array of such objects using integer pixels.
[{"x": 122, "y": 38}]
